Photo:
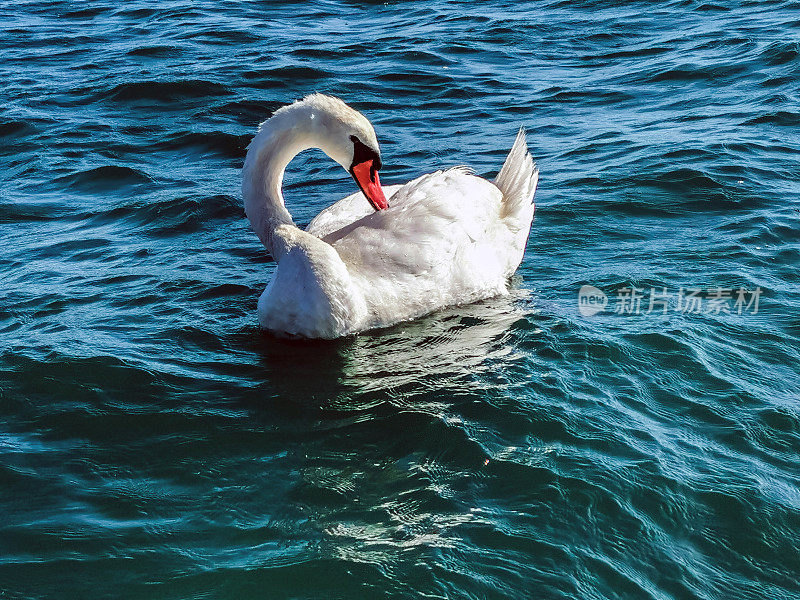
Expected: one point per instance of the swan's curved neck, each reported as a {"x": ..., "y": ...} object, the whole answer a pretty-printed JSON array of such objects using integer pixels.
[{"x": 277, "y": 142}]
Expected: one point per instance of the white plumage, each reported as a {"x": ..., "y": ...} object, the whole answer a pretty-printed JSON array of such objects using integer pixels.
[{"x": 447, "y": 238}]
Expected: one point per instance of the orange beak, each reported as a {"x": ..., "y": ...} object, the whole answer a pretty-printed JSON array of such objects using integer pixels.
[{"x": 366, "y": 176}]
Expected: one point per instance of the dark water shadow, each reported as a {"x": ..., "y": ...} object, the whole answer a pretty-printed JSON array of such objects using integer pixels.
[{"x": 448, "y": 350}]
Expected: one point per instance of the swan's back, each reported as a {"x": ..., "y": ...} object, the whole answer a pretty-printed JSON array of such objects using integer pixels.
[{"x": 442, "y": 241}]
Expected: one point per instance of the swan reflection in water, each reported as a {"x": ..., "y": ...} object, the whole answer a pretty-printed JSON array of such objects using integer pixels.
[
  {"x": 450, "y": 349},
  {"x": 386, "y": 427}
]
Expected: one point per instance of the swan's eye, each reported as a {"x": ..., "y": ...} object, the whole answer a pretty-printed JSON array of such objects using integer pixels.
[{"x": 354, "y": 139}]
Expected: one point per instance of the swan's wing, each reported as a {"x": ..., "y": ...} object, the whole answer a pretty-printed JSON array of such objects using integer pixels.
[
  {"x": 344, "y": 212},
  {"x": 439, "y": 230}
]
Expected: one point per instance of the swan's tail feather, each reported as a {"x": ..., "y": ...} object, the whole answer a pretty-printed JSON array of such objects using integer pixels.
[{"x": 517, "y": 180}]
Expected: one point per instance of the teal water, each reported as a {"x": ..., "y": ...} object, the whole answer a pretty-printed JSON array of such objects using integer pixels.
[{"x": 155, "y": 444}]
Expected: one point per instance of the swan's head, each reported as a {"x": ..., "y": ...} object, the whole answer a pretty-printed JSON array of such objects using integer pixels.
[{"x": 345, "y": 135}]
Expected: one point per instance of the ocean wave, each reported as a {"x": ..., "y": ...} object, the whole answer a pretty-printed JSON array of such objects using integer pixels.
[
  {"x": 166, "y": 91},
  {"x": 174, "y": 216},
  {"x": 218, "y": 142},
  {"x": 106, "y": 177}
]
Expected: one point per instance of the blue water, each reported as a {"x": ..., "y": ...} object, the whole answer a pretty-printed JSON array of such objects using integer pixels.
[{"x": 155, "y": 444}]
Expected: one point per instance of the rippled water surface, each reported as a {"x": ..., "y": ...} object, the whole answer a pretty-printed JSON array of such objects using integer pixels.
[{"x": 155, "y": 444}]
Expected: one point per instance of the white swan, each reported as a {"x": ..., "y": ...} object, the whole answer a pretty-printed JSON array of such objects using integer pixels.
[{"x": 372, "y": 260}]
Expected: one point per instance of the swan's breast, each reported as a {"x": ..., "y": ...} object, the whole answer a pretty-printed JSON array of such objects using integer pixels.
[{"x": 311, "y": 292}]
